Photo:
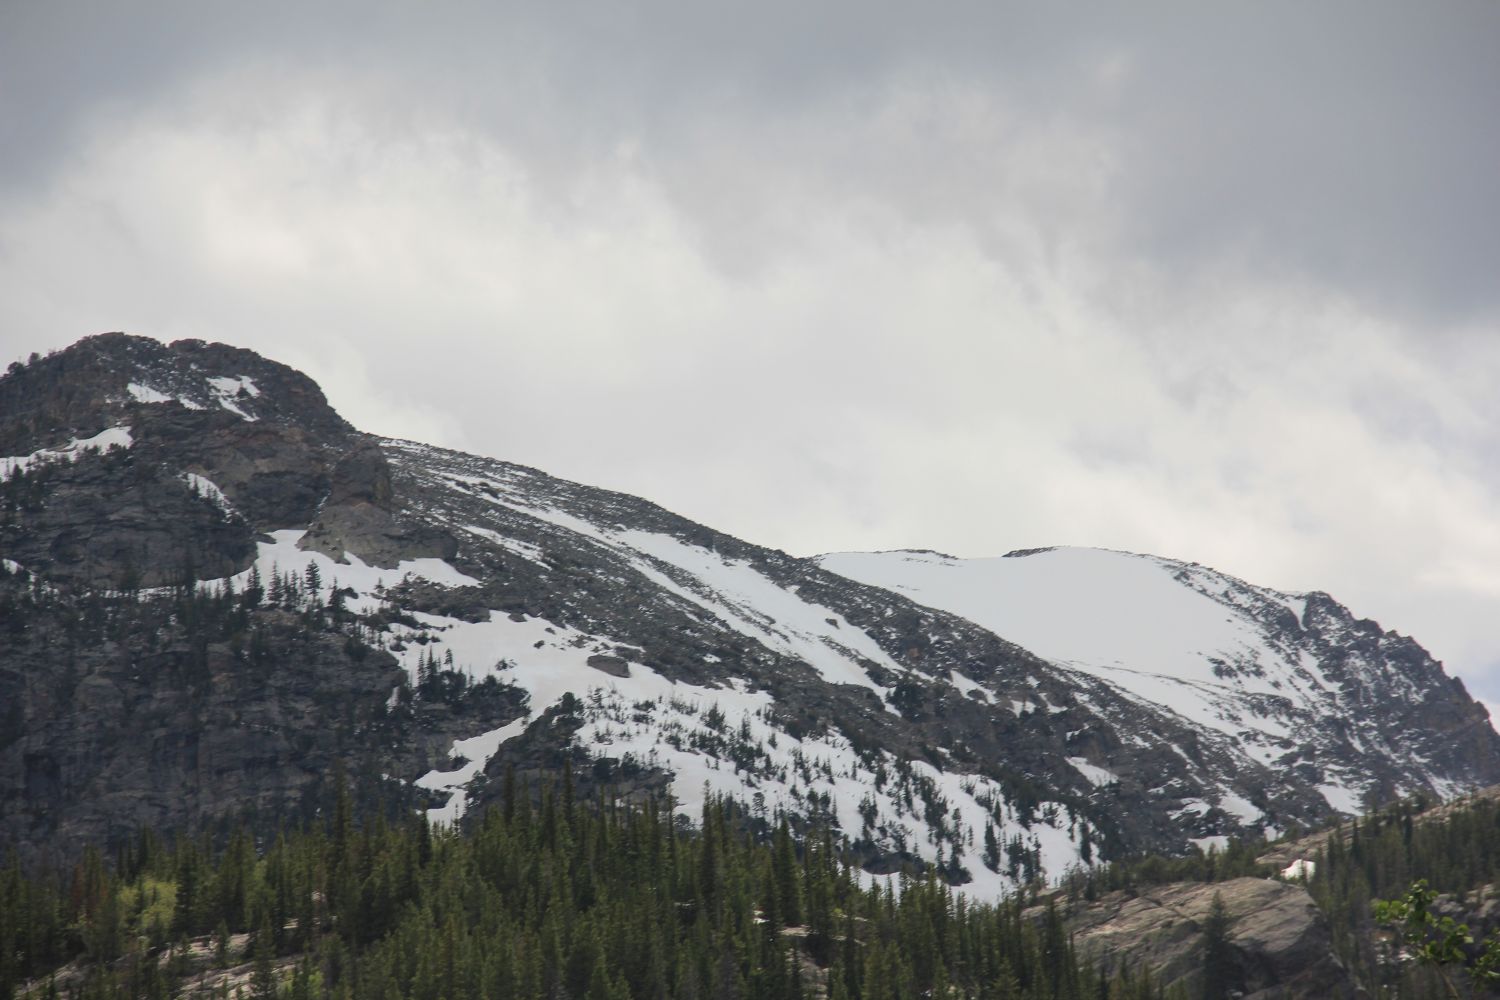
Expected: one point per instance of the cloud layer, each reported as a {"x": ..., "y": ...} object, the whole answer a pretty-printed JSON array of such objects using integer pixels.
[{"x": 1217, "y": 286}]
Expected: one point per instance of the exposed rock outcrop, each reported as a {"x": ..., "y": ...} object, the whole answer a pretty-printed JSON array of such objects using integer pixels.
[
  {"x": 1278, "y": 940},
  {"x": 360, "y": 516}
]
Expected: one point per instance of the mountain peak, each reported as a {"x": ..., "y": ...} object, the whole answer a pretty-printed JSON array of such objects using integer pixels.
[
  {"x": 107, "y": 379},
  {"x": 193, "y": 419}
]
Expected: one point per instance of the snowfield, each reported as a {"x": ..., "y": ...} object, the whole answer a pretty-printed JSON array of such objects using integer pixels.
[{"x": 1169, "y": 634}]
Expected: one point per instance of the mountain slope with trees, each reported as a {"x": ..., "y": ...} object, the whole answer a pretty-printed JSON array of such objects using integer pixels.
[{"x": 547, "y": 896}]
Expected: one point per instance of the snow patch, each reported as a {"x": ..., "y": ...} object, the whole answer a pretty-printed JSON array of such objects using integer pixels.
[
  {"x": 1149, "y": 632},
  {"x": 227, "y": 390},
  {"x": 207, "y": 488},
  {"x": 970, "y": 688},
  {"x": 1239, "y": 807},
  {"x": 1175, "y": 637},
  {"x": 146, "y": 394},
  {"x": 1342, "y": 798},
  {"x": 282, "y": 554},
  {"x": 103, "y": 441},
  {"x": 750, "y": 603},
  {"x": 738, "y": 595},
  {"x": 525, "y": 550},
  {"x": 1096, "y": 775},
  {"x": 477, "y": 751}
]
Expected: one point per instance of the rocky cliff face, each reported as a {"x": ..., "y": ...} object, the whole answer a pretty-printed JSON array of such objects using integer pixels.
[
  {"x": 175, "y": 707},
  {"x": 121, "y": 715},
  {"x": 196, "y": 422},
  {"x": 1278, "y": 943},
  {"x": 649, "y": 651}
]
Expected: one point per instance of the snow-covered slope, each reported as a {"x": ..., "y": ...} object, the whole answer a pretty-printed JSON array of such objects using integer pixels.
[
  {"x": 693, "y": 654},
  {"x": 1246, "y": 662}
]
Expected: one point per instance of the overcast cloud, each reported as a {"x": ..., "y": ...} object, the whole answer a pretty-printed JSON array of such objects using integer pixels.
[{"x": 1214, "y": 284}]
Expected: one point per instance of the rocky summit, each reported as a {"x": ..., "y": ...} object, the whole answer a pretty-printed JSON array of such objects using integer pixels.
[{"x": 214, "y": 591}]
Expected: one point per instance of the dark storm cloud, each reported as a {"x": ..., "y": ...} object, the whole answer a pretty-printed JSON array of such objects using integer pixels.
[{"x": 1353, "y": 143}]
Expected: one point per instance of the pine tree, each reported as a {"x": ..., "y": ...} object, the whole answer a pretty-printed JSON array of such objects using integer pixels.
[
  {"x": 263, "y": 978},
  {"x": 184, "y": 914},
  {"x": 784, "y": 873},
  {"x": 253, "y": 591},
  {"x": 1218, "y": 955}
]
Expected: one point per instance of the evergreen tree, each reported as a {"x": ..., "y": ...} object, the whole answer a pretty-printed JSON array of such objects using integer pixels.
[
  {"x": 263, "y": 978},
  {"x": 1218, "y": 955}
]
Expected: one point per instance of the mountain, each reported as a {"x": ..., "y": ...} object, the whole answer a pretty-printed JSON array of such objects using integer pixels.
[
  {"x": 1291, "y": 682},
  {"x": 215, "y": 589}
]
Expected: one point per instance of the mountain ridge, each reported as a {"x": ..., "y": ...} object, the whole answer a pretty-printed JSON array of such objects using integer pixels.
[{"x": 693, "y": 659}]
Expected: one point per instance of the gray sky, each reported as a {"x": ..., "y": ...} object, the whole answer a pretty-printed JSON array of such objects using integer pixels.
[{"x": 1215, "y": 283}]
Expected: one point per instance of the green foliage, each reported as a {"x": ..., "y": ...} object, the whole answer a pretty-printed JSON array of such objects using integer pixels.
[
  {"x": 1438, "y": 941},
  {"x": 150, "y": 904},
  {"x": 1431, "y": 939},
  {"x": 1412, "y": 862}
]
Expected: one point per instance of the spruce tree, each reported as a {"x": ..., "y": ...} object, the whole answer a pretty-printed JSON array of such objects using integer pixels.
[
  {"x": 263, "y": 978},
  {"x": 1218, "y": 956}
]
